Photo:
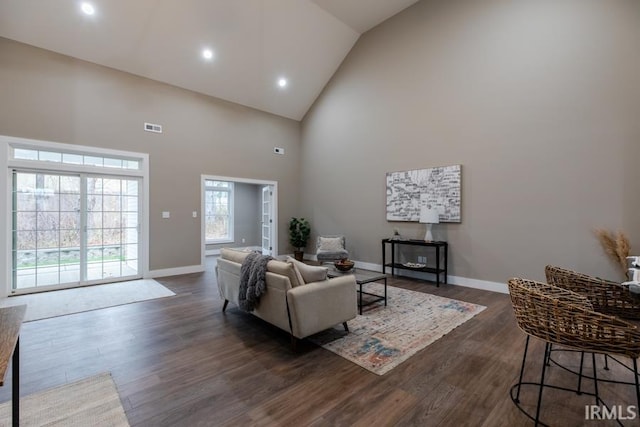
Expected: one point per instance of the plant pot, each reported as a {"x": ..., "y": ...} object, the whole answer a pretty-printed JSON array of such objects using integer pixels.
[{"x": 298, "y": 255}]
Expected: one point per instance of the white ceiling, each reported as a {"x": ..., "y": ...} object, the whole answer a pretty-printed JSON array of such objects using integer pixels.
[{"x": 255, "y": 42}]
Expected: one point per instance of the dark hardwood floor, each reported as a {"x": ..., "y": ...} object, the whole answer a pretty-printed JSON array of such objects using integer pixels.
[{"x": 180, "y": 361}]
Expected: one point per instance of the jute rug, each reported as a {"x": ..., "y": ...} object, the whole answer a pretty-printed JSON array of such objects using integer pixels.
[
  {"x": 383, "y": 337},
  {"x": 90, "y": 402},
  {"x": 76, "y": 300}
]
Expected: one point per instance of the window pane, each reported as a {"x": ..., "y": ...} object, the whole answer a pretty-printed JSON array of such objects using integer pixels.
[
  {"x": 47, "y": 239},
  {"x": 70, "y": 239},
  {"x": 111, "y": 186},
  {"x": 72, "y": 159},
  {"x": 94, "y": 220},
  {"x": 70, "y": 202},
  {"x": 130, "y": 188},
  {"x": 25, "y": 221},
  {"x": 93, "y": 161},
  {"x": 112, "y": 236},
  {"x": 49, "y": 156},
  {"x": 94, "y": 203},
  {"x": 25, "y": 182},
  {"x": 132, "y": 164},
  {"x": 24, "y": 154},
  {"x": 25, "y": 240},
  {"x": 112, "y": 163},
  {"x": 110, "y": 203},
  {"x": 94, "y": 185},
  {"x": 94, "y": 237},
  {"x": 69, "y": 184},
  {"x": 130, "y": 204},
  {"x": 48, "y": 220},
  {"x": 112, "y": 220}
]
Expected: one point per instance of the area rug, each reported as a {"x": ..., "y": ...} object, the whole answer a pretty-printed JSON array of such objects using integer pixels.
[
  {"x": 69, "y": 301},
  {"x": 383, "y": 337},
  {"x": 90, "y": 402}
]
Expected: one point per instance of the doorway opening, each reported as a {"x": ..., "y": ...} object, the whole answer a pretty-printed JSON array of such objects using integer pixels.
[{"x": 238, "y": 213}]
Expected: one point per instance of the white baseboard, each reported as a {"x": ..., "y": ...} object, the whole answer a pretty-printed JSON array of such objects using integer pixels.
[
  {"x": 175, "y": 271},
  {"x": 485, "y": 285}
]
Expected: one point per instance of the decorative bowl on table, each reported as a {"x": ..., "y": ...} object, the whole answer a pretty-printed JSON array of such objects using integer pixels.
[{"x": 344, "y": 264}]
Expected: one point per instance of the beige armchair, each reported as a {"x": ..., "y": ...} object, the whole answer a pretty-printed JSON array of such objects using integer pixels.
[{"x": 331, "y": 248}]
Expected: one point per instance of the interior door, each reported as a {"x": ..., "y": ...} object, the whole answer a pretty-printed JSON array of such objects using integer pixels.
[{"x": 267, "y": 220}]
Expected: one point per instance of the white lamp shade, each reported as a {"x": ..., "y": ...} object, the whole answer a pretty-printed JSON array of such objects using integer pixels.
[{"x": 429, "y": 215}]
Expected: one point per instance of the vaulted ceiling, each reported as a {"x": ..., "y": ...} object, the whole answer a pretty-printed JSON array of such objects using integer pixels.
[{"x": 254, "y": 44}]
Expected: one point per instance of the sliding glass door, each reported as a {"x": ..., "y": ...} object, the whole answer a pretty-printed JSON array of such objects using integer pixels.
[{"x": 73, "y": 229}]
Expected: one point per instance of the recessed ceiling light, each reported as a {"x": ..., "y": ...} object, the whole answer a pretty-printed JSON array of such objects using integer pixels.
[
  {"x": 87, "y": 8},
  {"x": 207, "y": 54},
  {"x": 282, "y": 82}
]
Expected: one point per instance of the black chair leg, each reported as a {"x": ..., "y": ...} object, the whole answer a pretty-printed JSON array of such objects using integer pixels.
[
  {"x": 544, "y": 368},
  {"x": 580, "y": 374},
  {"x": 224, "y": 307},
  {"x": 595, "y": 378},
  {"x": 346, "y": 327},
  {"x": 524, "y": 358},
  {"x": 606, "y": 363},
  {"x": 635, "y": 374},
  {"x": 548, "y": 358}
]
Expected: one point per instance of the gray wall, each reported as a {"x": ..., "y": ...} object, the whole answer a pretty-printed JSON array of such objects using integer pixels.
[
  {"x": 247, "y": 200},
  {"x": 538, "y": 100},
  {"x": 52, "y": 97}
]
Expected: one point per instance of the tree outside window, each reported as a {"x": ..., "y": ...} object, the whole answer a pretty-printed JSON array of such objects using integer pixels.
[{"x": 218, "y": 211}]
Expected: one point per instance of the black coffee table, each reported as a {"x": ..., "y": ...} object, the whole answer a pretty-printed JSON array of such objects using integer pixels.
[{"x": 363, "y": 277}]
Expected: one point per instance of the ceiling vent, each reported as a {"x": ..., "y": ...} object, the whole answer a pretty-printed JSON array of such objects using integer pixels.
[{"x": 150, "y": 127}]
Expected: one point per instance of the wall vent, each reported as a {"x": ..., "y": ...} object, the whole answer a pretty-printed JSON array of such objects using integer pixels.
[{"x": 150, "y": 127}]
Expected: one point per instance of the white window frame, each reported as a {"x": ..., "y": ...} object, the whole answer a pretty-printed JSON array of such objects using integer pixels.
[
  {"x": 230, "y": 190},
  {"x": 8, "y": 143}
]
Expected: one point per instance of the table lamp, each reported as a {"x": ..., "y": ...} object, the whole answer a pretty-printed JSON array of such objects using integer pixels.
[{"x": 429, "y": 216}]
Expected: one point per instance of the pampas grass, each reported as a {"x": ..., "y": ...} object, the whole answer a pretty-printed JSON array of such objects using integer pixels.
[{"x": 616, "y": 246}]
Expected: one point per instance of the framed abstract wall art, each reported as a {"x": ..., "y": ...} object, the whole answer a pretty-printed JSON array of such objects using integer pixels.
[{"x": 437, "y": 187}]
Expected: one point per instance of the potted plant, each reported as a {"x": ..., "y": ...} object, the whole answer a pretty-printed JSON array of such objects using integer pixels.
[{"x": 299, "y": 231}]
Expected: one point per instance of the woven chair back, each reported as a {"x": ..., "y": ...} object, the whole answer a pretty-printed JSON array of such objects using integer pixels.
[
  {"x": 606, "y": 296},
  {"x": 563, "y": 317}
]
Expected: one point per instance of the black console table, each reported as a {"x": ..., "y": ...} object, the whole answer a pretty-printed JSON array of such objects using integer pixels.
[{"x": 441, "y": 249}]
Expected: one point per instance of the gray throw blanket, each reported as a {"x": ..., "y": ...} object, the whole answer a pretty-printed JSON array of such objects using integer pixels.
[{"x": 252, "y": 280}]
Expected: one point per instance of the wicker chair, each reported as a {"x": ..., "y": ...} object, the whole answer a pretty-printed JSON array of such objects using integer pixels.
[
  {"x": 561, "y": 317},
  {"x": 606, "y": 296}
]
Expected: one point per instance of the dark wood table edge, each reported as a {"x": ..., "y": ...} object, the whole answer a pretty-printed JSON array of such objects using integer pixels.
[{"x": 12, "y": 318}]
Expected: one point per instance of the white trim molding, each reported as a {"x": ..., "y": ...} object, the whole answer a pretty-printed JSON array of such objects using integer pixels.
[
  {"x": 176, "y": 271},
  {"x": 467, "y": 282}
]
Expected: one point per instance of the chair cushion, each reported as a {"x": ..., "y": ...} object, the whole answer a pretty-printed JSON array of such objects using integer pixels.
[
  {"x": 308, "y": 273},
  {"x": 330, "y": 244}
]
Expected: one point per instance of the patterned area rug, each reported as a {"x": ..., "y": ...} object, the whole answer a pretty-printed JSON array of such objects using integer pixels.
[
  {"x": 383, "y": 337},
  {"x": 90, "y": 402}
]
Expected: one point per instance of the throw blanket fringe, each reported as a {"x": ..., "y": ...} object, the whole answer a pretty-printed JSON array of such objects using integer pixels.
[{"x": 252, "y": 280}]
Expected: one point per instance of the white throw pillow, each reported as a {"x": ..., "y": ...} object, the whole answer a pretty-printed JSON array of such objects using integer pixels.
[
  {"x": 308, "y": 273},
  {"x": 331, "y": 244}
]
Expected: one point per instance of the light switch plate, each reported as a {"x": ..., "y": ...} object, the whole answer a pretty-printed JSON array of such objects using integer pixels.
[{"x": 166, "y": 214}]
